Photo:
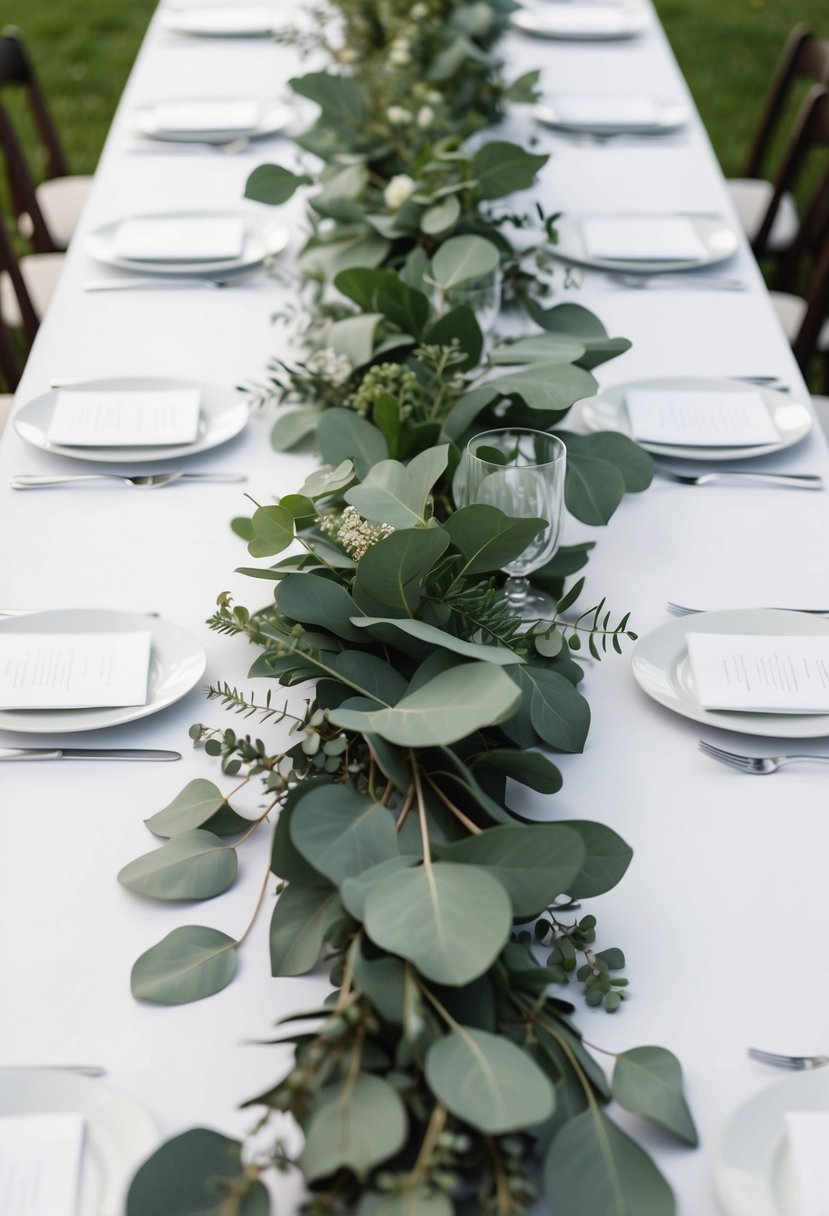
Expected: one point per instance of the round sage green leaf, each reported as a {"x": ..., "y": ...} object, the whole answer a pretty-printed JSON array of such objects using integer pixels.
[
  {"x": 344, "y": 435},
  {"x": 648, "y": 1082},
  {"x": 341, "y": 832},
  {"x": 187, "y": 965},
  {"x": 354, "y": 891},
  {"x": 314, "y": 600},
  {"x": 292, "y": 426},
  {"x": 462, "y": 258},
  {"x": 193, "y": 865},
  {"x": 488, "y": 1081},
  {"x": 440, "y": 216},
  {"x": 592, "y": 1166},
  {"x": 451, "y": 921},
  {"x": 535, "y": 863},
  {"x": 183, "y": 1178},
  {"x": 273, "y": 531},
  {"x": 607, "y": 857},
  {"x": 593, "y": 487},
  {"x": 195, "y": 807},
  {"x": 358, "y": 1125}
]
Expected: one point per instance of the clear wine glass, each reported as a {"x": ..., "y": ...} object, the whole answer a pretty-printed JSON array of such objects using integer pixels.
[{"x": 522, "y": 473}]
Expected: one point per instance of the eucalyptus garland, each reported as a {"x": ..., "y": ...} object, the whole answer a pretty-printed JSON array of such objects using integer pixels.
[{"x": 444, "y": 1074}]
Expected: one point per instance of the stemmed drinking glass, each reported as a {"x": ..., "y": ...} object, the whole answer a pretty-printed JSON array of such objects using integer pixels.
[{"x": 522, "y": 473}]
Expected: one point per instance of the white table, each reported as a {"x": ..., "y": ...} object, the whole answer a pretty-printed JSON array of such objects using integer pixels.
[{"x": 723, "y": 906}]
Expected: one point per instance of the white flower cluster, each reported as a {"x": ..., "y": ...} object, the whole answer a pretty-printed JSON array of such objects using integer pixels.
[
  {"x": 398, "y": 191},
  {"x": 329, "y": 366},
  {"x": 355, "y": 534}
]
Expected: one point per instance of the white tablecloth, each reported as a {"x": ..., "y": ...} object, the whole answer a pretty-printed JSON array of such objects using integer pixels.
[{"x": 722, "y": 911}]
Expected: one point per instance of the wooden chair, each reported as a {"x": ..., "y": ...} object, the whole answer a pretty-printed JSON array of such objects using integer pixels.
[
  {"x": 47, "y": 213},
  {"x": 805, "y": 57},
  {"x": 26, "y": 286}
]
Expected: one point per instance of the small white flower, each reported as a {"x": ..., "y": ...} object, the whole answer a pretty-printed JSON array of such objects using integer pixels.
[
  {"x": 418, "y": 11},
  {"x": 425, "y": 117},
  {"x": 398, "y": 191},
  {"x": 347, "y": 55},
  {"x": 400, "y": 54},
  {"x": 433, "y": 97},
  {"x": 398, "y": 115},
  {"x": 329, "y": 366}
]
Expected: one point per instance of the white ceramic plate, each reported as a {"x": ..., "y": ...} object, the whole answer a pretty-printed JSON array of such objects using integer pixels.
[
  {"x": 753, "y": 1172},
  {"x": 214, "y": 21},
  {"x": 607, "y": 412},
  {"x": 177, "y": 663},
  {"x": 263, "y": 239},
  {"x": 718, "y": 237},
  {"x": 223, "y": 414},
  {"x": 119, "y": 1133},
  {"x": 661, "y": 669},
  {"x": 274, "y": 117},
  {"x": 670, "y": 116},
  {"x": 542, "y": 22}
]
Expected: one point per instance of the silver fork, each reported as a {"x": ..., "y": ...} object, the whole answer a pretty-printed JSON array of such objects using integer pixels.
[
  {"x": 143, "y": 481},
  {"x": 795, "y": 481},
  {"x": 781, "y": 1061},
  {"x": 758, "y": 766},
  {"x": 684, "y": 610},
  {"x": 679, "y": 281}
]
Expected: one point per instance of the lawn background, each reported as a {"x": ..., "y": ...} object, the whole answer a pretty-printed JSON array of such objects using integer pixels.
[{"x": 726, "y": 48}]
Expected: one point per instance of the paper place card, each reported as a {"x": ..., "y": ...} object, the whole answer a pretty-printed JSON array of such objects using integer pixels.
[
  {"x": 645, "y": 239},
  {"x": 40, "y": 1164},
  {"x": 105, "y": 419},
  {"x": 761, "y": 674},
  {"x": 200, "y": 116},
  {"x": 591, "y": 18},
  {"x": 808, "y": 1138},
  {"x": 74, "y": 670},
  {"x": 621, "y": 111},
  {"x": 700, "y": 418},
  {"x": 185, "y": 240}
]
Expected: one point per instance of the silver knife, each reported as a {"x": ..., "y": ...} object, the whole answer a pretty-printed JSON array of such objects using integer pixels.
[
  {"x": 799, "y": 481},
  {"x": 86, "y": 753}
]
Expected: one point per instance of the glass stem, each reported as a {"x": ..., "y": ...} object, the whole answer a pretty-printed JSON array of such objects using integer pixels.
[{"x": 517, "y": 591}]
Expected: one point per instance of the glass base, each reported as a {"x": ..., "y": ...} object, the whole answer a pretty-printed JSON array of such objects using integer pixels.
[{"x": 527, "y": 602}]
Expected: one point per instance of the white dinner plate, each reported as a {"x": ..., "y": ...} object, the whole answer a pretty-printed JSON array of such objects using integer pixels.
[
  {"x": 222, "y": 415},
  {"x": 718, "y": 237},
  {"x": 662, "y": 669},
  {"x": 543, "y": 21},
  {"x": 119, "y": 1134},
  {"x": 263, "y": 239},
  {"x": 753, "y": 1173},
  {"x": 669, "y": 116},
  {"x": 223, "y": 21},
  {"x": 273, "y": 118},
  {"x": 177, "y": 663},
  {"x": 607, "y": 412}
]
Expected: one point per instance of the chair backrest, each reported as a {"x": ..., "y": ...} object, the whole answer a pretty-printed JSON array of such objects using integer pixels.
[
  {"x": 10, "y": 357},
  {"x": 805, "y": 57},
  {"x": 806, "y": 342},
  {"x": 17, "y": 72},
  {"x": 811, "y": 131}
]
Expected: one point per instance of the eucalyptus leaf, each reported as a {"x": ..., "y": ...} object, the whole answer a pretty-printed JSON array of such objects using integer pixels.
[
  {"x": 396, "y": 494},
  {"x": 462, "y": 258},
  {"x": 535, "y": 863},
  {"x": 353, "y": 337},
  {"x": 193, "y": 865},
  {"x": 286, "y": 860},
  {"x": 384, "y": 292},
  {"x": 459, "y": 326},
  {"x": 488, "y": 1082},
  {"x": 592, "y": 1166},
  {"x": 274, "y": 185},
  {"x": 487, "y": 538},
  {"x": 314, "y": 600},
  {"x": 451, "y": 921},
  {"x": 635, "y": 465},
  {"x": 648, "y": 1081},
  {"x": 449, "y": 707},
  {"x": 300, "y": 924},
  {"x": 354, "y": 890},
  {"x": 546, "y": 348},
  {"x": 530, "y": 768},
  {"x": 341, "y": 832},
  {"x": 388, "y": 629},
  {"x": 187, "y": 1175},
  {"x": 546, "y": 386},
  {"x": 357, "y": 1124},
  {"x": 200, "y": 804},
  {"x": 606, "y": 860},
  {"x": 273, "y": 531},
  {"x": 327, "y": 480},
  {"x": 391, "y": 573},
  {"x": 550, "y": 709},
  {"x": 440, "y": 217},
  {"x": 501, "y": 168},
  {"x": 344, "y": 435},
  {"x": 339, "y": 97},
  {"x": 187, "y": 965}
]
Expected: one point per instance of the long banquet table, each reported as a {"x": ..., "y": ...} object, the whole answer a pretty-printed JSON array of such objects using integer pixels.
[{"x": 721, "y": 912}]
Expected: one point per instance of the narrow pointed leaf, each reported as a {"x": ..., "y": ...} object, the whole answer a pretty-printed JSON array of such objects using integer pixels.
[{"x": 301, "y": 920}]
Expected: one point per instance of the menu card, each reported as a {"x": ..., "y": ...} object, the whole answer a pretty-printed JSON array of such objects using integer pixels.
[
  {"x": 189, "y": 239},
  {"x": 606, "y": 110},
  {"x": 642, "y": 239},
  {"x": 73, "y": 670},
  {"x": 40, "y": 1164},
  {"x": 107, "y": 419},
  {"x": 808, "y": 1136},
  {"x": 200, "y": 116},
  {"x": 761, "y": 674},
  {"x": 700, "y": 418},
  {"x": 591, "y": 18}
]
